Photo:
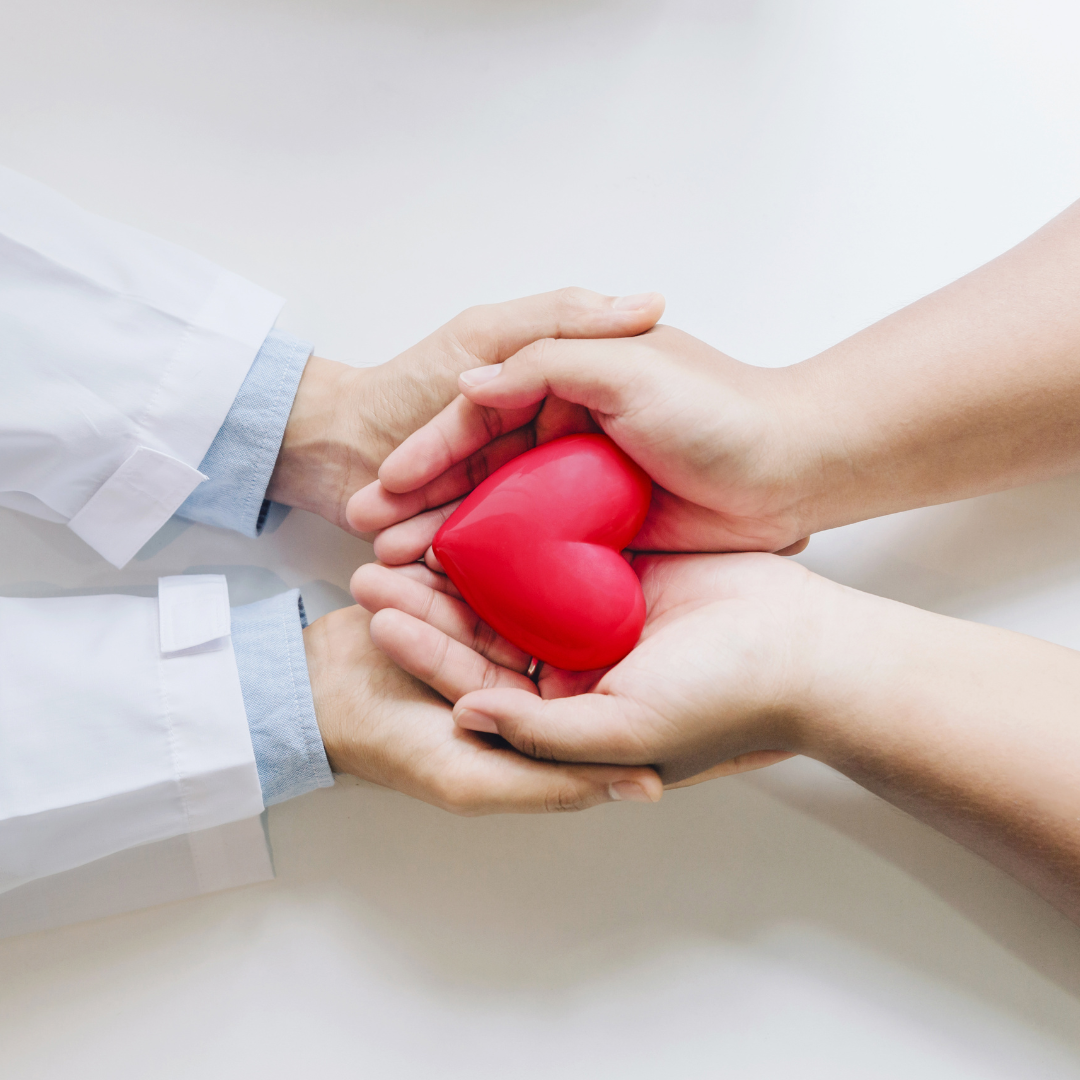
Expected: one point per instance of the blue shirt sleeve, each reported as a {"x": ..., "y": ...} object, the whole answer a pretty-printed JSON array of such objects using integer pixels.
[
  {"x": 269, "y": 646},
  {"x": 242, "y": 455}
]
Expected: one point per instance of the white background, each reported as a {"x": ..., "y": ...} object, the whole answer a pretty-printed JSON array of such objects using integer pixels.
[{"x": 786, "y": 173}]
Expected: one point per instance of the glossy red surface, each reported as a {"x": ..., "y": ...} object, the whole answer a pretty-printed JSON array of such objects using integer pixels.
[{"x": 535, "y": 550}]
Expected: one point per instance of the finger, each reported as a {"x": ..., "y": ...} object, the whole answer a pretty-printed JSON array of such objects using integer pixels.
[
  {"x": 407, "y": 541},
  {"x": 493, "y": 332},
  {"x": 373, "y": 508},
  {"x": 445, "y": 459},
  {"x": 451, "y": 437},
  {"x": 797, "y": 548},
  {"x": 439, "y": 582},
  {"x": 597, "y": 374},
  {"x": 589, "y": 727},
  {"x": 431, "y": 561},
  {"x": 498, "y": 780},
  {"x": 558, "y": 682},
  {"x": 447, "y": 666},
  {"x": 377, "y": 588},
  {"x": 758, "y": 759}
]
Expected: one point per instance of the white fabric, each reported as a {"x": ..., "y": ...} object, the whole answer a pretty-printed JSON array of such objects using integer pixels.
[
  {"x": 175, "y": 869},
  {"x": 193, "y": 609},
  {"x": 134, "y": 503},
  {"x": 120, "y": 356},
  {"x": 107, "y": 741}
]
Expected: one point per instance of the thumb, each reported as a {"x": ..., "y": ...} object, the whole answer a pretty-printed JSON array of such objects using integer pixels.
[
  {"x": 585, "y": 727},
  {"x": 594, "y": 373},
  {"x": 492, "y": 332}
]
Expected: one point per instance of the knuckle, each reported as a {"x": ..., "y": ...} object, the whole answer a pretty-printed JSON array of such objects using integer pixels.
[
  {"x": 465, "y": 336},
  {"x": 492, "y": 421},
  {"x": 475, "y": 470},
  {"x": 563, "y": 799},
  {"x": 459, "y": 797},
  {"x": 490, "y": 678},
  {"x": 483, "y": 637},
  {"x": 534, "y": 745},
  {"x": 533, "y": 353},
  {"x": 438, "y": 659},
  {"x": 572, "y": 296},
  {"x": 469, "y": 317},
  {"x": 428, "y": 609}
]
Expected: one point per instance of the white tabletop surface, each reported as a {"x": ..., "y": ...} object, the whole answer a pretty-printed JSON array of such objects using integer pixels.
[{"x": 785, "y": 173}]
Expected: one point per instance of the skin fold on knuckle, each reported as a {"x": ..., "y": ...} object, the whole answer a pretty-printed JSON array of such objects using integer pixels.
[
  {"x": 573, "y": 307},
  {"x": 521, "y": 367},
  {"x": 482, "y": 637},
  {"x": 460, "y": 796},
  {"x": 529, "y": 742},
  {"x": 566, "y": 797}
]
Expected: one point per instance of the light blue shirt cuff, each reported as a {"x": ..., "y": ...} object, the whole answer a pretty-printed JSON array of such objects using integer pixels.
[
  {"x": 269, "y": 646},
  {"x": 242, "y": 455}
]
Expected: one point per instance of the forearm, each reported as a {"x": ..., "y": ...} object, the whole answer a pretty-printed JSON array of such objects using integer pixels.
[
  {"x": 974, "y": 388},
  {"x": 973, "y": 729}
]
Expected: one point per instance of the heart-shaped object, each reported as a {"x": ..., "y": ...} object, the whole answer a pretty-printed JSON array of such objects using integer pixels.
[{"x": 535, "y": 551}]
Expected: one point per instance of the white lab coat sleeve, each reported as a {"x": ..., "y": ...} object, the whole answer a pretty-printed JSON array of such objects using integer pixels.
[
  {"x": 121, "y": 724},
  {"x": 120, "y": 356}
]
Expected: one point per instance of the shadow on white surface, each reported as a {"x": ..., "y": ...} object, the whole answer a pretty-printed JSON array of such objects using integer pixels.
[
  {"x": 965, "y": 558},
  {"x": 771, "y": 891},
  {"x": 786, "y": 173},
  {"x": 494, "y": 908}
]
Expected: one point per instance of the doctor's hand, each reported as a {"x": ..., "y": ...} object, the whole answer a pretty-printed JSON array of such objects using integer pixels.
[
  {"x": 382, "y": 725},
  {"x": 714, "y": 687},
  {"x": 731, "y": 447},
  {"x": 345, "y": 420}
]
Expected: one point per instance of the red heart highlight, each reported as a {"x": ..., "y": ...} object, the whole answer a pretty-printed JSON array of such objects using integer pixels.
[{"x": 535, "y": 551}]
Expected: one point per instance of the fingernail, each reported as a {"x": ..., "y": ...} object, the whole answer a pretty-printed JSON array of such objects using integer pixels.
[
  {"x": 480, "y": 374},
  {"x": 634, "y": 303},
  {"x": 475, "y": 721},
  {"x": 627, "y": 791}
]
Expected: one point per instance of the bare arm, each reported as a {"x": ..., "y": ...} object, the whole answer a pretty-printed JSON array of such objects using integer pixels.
[
  {"x": 746, "y": 658},
  {"x": 974, "y": 388},
  {"x": 973, "y": 729}
]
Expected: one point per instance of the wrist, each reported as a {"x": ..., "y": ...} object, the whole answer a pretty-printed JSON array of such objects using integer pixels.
[
  {"x": 321, "y": 461},
  {"x": 849, "y": 649},
  {"x": 319, "y": 650},
  {"x": 814, "y": 466},
  {"x": 871, "y": 661}
]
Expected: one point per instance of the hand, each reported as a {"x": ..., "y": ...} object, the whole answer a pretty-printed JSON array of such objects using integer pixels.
[
  {"x": 729, "y": 446},
  {"x": 748, "y": 658},
  {"x": 972, "y": 389},
  {"x": 345, "y": 420},
  {"x": 382, "y": 725},
  {"x": 719, "y": 683}
]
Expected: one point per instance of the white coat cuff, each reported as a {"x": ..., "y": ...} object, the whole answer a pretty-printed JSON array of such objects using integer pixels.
[
  {"x": 138, "y": 735},
  {"x": 194, "y": 395},
  {"x": 134, "y": 503}
]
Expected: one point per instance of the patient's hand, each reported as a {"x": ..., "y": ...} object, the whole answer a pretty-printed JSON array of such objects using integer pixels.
[
  {"x": 383, "y": 725},
  {"x": 734, "y": 450},
  {"x": 346, "y": 420},
  {"x": 718, "y": 683}
]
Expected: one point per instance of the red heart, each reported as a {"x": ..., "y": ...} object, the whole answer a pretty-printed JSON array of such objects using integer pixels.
[{"x": 535, "y": 550}]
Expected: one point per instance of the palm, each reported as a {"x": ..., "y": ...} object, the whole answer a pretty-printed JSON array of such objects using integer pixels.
[
  {"x": 385, "y": 726},
  {"x": 730, "y": 606}
]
